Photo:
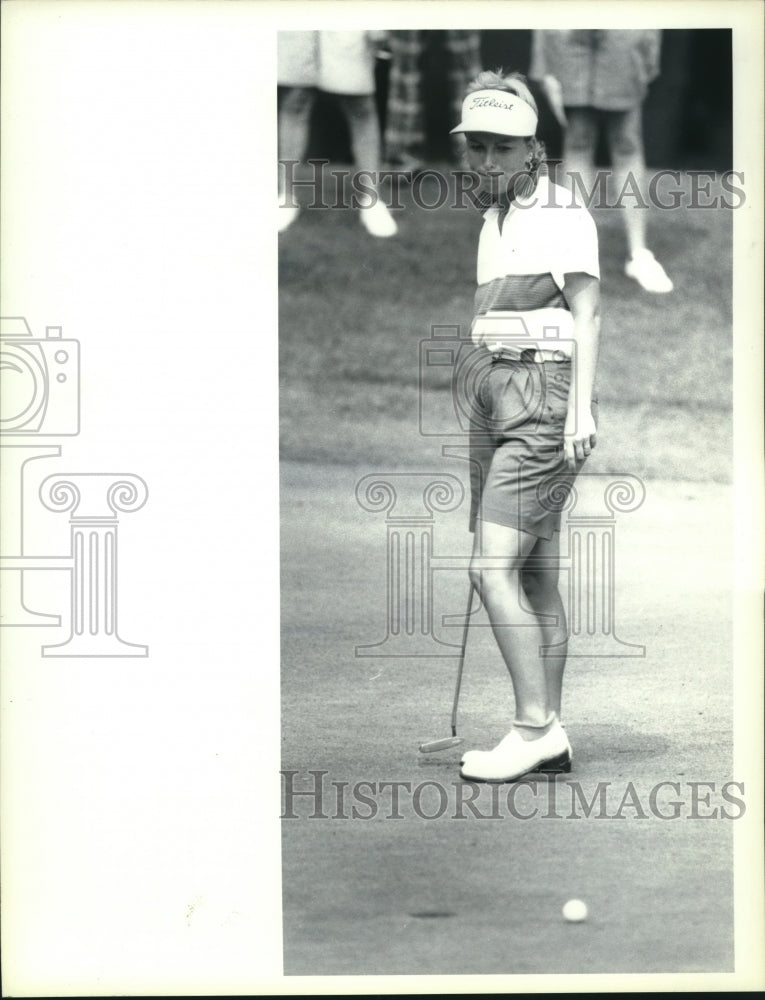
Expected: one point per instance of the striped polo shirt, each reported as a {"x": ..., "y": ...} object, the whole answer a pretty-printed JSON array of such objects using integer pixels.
[{"x": 519, "y": 301}]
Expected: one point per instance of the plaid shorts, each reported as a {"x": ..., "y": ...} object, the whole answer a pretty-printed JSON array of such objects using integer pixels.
[
  {"x": 405, "y": 128},
  {"x": 518, "y": 471}
]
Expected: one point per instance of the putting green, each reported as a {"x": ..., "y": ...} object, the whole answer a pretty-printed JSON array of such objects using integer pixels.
[{"x": 367, "y": 893}]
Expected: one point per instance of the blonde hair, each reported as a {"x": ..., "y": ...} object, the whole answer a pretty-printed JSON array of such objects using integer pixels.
[
  {"x": 511, "y": 83},
  {"x": 515, "y": 83}
]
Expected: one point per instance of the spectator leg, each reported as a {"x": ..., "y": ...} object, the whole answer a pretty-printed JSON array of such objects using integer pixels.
[
  {"x": 579, "y": 142},
  {"x": 625, "y": 141},
  {"x": 294, "y": 122}
]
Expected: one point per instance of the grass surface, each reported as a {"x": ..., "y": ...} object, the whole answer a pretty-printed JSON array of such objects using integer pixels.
[
  {"x": 660, "y": 893},
  {"x": 353, "y": 313},
  {"x": 354, "y": 309}
]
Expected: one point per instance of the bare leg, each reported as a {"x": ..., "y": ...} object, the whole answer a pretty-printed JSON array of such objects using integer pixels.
[
  {"x": 361, "y": 112},
  {"x": 536, "y": 742},
  {"x": 625, "y": 140},
  {"x": 498, "y": 556},
  {"x": 294, "y": 121},
  {"x": 579, "y": 143},
  {"x": 540, "y": 584},
  {"x": 625, "y": 137}
]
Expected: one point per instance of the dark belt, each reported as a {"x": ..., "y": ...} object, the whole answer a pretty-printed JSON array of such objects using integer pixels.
[{"x": 530, "y": 355}]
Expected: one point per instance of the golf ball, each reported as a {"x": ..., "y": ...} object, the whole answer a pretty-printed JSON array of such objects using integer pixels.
[{"x": 575, "y": 911}]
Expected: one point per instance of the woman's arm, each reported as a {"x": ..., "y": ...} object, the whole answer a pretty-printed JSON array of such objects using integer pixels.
[{"x": 582, "y": 293}]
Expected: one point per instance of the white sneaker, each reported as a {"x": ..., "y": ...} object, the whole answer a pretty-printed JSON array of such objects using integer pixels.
[
  {"x": 377, "y": 220},
  {"x": 514, "y": 757},
  {"x": 287, "y": 215},
  {"x": 648, "y": 272}
]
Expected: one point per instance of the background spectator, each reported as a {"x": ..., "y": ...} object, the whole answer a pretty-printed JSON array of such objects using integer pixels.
[
  {"x": 339, "y": 63},
  {"x": 601, "y": 79},
  {"x": 405, "y": 130}
]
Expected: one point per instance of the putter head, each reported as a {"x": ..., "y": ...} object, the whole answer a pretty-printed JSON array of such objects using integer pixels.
[{"x": 445, "y": 744}]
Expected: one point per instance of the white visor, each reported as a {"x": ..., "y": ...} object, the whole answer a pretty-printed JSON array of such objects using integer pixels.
[{"x": 498, "y": 112}]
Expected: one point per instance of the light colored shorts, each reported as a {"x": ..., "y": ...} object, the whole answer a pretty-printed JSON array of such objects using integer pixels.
[
  {"x": 338, "y": 62},
  {"x": 518, "y": 472}
]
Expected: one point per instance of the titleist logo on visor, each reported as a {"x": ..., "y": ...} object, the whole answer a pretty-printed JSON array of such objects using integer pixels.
[{"x": 489, "y": 102}]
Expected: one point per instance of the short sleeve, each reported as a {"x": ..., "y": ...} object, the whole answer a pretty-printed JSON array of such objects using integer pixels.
[{"x": 577, "y": 247}]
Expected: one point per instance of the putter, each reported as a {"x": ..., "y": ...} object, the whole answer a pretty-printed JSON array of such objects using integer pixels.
[{"x": 454, "y": 740}]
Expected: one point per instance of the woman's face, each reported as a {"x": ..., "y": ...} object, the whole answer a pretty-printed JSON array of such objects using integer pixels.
[{"x": 496, "y": 159}]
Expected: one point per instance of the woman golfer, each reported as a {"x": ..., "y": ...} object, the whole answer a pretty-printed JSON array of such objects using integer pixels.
[{"x": 535, "y": 330}]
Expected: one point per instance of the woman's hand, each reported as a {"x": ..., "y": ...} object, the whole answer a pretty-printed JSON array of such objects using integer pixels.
[{"x": 579, "y": 437}]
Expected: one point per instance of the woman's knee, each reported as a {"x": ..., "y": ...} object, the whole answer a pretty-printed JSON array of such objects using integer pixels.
[{"x": 489, "y": 581}]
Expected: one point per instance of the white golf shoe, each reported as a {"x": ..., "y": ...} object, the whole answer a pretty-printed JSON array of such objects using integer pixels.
[
  {"x": 377, "y": 220},
  {"x": 648, "y": 273},
  {"x": 287, "y": 215},
  {"x": 514, "y": 757}
]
